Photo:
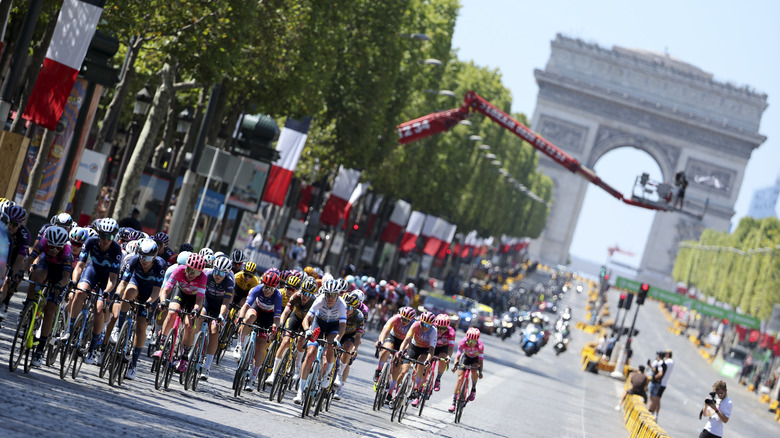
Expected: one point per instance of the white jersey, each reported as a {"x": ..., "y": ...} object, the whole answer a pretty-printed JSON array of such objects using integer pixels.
[
  {"x": 321, "y": 310},
  {"x": 669, "y": 367}
]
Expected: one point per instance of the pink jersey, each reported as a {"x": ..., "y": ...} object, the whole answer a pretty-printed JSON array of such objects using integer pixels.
[
  {"x": 446, "y": 337},
  {"x": 476, "y": 350},
  {"x": 397, "y": 327},
  {"x": 422, "y": 337},
  {"x": 194, "y": 287}
]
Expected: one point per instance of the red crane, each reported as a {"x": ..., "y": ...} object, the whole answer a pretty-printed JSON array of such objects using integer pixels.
[
  {"x": 442, "y": 121},
  {"x": 613, "y": 249}
]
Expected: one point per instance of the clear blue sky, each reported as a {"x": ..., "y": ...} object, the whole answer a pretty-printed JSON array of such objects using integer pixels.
[{"x": 737, "y": 42}]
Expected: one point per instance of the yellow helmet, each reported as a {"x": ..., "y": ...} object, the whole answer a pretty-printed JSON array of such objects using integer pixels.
[
  {"x": 250, "y": 267},
  {"x": 311, "y": 272}
]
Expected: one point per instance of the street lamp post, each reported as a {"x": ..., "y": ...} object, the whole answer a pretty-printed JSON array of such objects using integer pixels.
[{"x": 186, "y": 117}]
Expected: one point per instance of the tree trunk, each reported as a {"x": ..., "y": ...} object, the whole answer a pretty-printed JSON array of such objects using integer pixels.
[
  {"x": 34, "y": 180},
  {"x": 188, "y": 143},
  {"x": 160, "y": 152},
  {"x": 145, "y": 145},
  {"x": 219, "y": 114},
  {"x": 5, "y": 59},
  {"x": 111, "y": 118}
]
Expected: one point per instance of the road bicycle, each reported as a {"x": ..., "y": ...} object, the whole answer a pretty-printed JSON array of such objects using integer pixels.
[
  {"x": 78, "y": 342},
  {"x": 163, "y": 366},
  {"x": 27, "y": 336},
  {"x": 430, "y": 381},
  {"x": 244, "y": 369},
  {"x": 117, "y": 356},
  {"x": 228, "y": 332},
  {"x": 325, "y": 395},
  {"x": 195, "y": 358},
  {"x": 155, "y": 314},
  {"x": 461, "y": 396},
  {"x": 314, "y": 381},
  {"x": 268, "y": 361},
  {"x": 383, "y": 382},
  {"x": 283, "y": 381},
  {"x": 405, "y": 391}
]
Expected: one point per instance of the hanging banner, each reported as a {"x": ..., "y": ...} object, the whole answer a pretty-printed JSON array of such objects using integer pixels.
[
  {"x": 91, "y": 167},
  {"x": 249, "y": 185}
]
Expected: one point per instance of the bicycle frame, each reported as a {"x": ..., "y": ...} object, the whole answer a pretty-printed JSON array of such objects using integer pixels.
[
  {"x": 244, "y": 370},
  {"x": 27, "y": 330},
  {"x": 461, "y": 397},
  {"x": 76, "y": 346}
]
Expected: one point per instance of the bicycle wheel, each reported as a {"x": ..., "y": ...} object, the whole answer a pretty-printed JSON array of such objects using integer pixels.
[
  {"x": 71, "y": 348},
  {"x": 53, "y": 345},
  {"x": 279, "y": 377},
  {"x": 225, "y": 335},
  {"x": 427, "y": 389},
  {"x": 461, "y": 399},
  {"x": 285, "y": 375},
  {"x": 193, "y": 362},
  {"x": 399, "y": 400},
  {"x": 267, "y": 367},
  {"x": 164, "y": 366},
  {"x": 331, "y": 390},
  {"x": 381, "y": 384},
  {"x": 108, "y": 358},
  {"x": 243, "y": 367},
  {"x": 118, "y": 356},
  {"x": 19, "y": 347},
  {"x": 152, "y": 345},
  {"x": 312, "y": 387},
  {"x": 78, "y": 359}
]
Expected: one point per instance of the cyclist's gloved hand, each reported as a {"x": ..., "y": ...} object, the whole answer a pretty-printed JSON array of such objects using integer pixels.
[
  {"x": 196, "y": 309},
  {"x": 308, "y": 333},
  {"x": 221, "y": 319},
  {"x": 338, "y": 343},
  {"x": 378, "y": 344},
  {"x": 480, "y": 374}
]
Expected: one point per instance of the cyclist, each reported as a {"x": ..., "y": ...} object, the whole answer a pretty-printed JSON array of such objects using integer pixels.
[
  {"x": 4, "y": 244},
  {"x": 207, "y": 254},
  {"x": 392, "y": 335},
  {"x": 185, "y": 290},
  {"x": 420, "y": 341},
  {"x": 141, "y": 282},
  {"x": 263, "y": 305},
  {"x": 54, "y": 266},
  {"x": 292, "y": 319},
  {"x": 329, "y": 313},
  {"x": 353, "y": 334},
  {"x": 77, "y": 238},
  {"x": 246, "y": 280},
  {"x": 97, "y": 268},
  {"x": 219, "y": 294},
  {"x": 19, "y": 237},
  {"x": 62, "y": 220},
  {"x": 472, "y": 350},
  {"x": 163, "y": 250},
  {"x": 292, "y": 284},
  {"x": 445, "y": 344},
  {"x": 237, "y": 258},
  {"x": 181, "y": 260}
]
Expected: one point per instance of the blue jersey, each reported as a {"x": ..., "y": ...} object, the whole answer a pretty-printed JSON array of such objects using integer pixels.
[
  {"x": 219, "y": 291},
  {"x": 265, "y": 304},
  {"x": 146, "y": 280},
  {"x": 103, "y": 262}
]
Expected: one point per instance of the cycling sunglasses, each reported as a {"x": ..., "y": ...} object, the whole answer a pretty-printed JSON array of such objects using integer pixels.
[
  {"x": 308, "y": 294},
  {"x": 352, "y": 307},
  {"x": 471, "y": 341},
  {"x": 147, "y": 258},
  {"x": 218, "y": 272},
  {"x": 106, "y": 236},
  {"x": 14, "y": 223},
  {"x": 268, "y": 288},
  {"x": 331, "y": 294},
  {"x": 191, "y": 271},
  {"x": 76, "y": 244},
  {"x": 56, "y": 247},
  {"x": 425, "y": 325}
]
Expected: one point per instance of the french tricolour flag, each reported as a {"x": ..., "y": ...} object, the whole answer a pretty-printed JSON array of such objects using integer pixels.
[
  {"x": 398, "y": 219},
  {"x": 290, "y": 146},
  {"x": 69, "y": 43},
  {"x": 436, "y": 233},
  {"x": 413, "y": 229},
  {"x": 448, "y": 236},
  {"x": 341, "y": 196}
]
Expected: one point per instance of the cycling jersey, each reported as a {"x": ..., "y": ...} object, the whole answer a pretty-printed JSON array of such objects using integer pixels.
[
  {"x": 179, "y": 278},
  {"x": 245, "y": 282},
  {"x": 397, "y": 326},
  {"x": 470, "y": 351},
  {"x": 168, "y": 272},
  {"x": 321, "y": 310},
  {"x": 261, "y": 303},
  {"x": 144, "y": 281},
  {"x": 168, "y": 255},
  {"x": 355, "y": 323},
  {"x": 422, "y": 337},
  {"x": 297, "y": 305},
  {"x": 104, "y": 262},
  {"x": 218, "y": 291},
  {"x": 446, "y": 338},
  {"x": 63, "y": 257},
  {"x": 20, "y": 244}
]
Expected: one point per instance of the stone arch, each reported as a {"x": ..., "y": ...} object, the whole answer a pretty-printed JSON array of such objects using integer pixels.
[{"x": 665, "y": 155}]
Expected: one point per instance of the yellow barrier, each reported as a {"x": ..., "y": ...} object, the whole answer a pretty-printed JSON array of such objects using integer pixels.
[{"x": 639, "y": 422}]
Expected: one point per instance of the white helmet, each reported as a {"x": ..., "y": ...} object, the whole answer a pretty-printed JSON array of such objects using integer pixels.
[
  {"x": 132, "y": 247},
  {"x": 222, "y": 263},
  {"x": 383, "y": 283},
  {"x": 56, "y": 236},
  {"x": 361, "y": 296},
  {"x": 146, "y": 247}
]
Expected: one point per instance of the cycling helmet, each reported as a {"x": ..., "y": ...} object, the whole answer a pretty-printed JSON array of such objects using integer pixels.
[
  {"x": 326, "y": 277},
  {"x": 147, "y": 247},
  {"x": 124, "y": 233},
  {"x": 351, "y": 299},
  {"x": 56, "y": 236},
  {"x": 271, "y": 278},
  {"x": 295, "y": 279},
  {"x": 427, "y": 318},
  {"x": 319, "y": 272},
  {"x": 3, "y": 217},
  {"x": 237, "y": 256},
  {"x": 95, "y": 224},
  {"x": 5, "y": 204},
  {"x": 383, "y": 283},
  {"x": 250, "y": 267},
  {"x": 361, "y": 296},
  {"x": 407, "y": 312},
  {"x": 16, "y": 213},
  {"x": 108, "y": 226},
  {"x": 136, "y": 235},
  {"x": 208, "y": 255},
  {"x": 310, "y": 271},
  {"x": 196, "y": 262},
  {"x": 162, "y": 238},
  {"x": 222, "y": 263},
  {"x": 329, "y": 287},
  {"x": 62, "y": 220},
  {"x": 132, "y": 247},
  {"x": 442, "y": 320},
  {"x": 514, "y": 309},
  {"x": 310, "y": 285},
  {"x": 275, "y": 271},
  {"x": 78, "y": 234},
  {"x": 472, "y": 334},
  {"x": 91, "y": 232},
  {"x": 342, "y": 285},
  {"x": 349, "y": 278},
  {"x": 283, "y": 276},
  {"x": 186, "y": 247},
  {"x": 181, "y": 259}
]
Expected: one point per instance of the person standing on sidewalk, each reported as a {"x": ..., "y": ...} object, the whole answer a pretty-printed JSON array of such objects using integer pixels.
[
  {"x": 718, "y": 409},
  {"x": 658, "y": 369},
  {"x": 665, "y": 379}
]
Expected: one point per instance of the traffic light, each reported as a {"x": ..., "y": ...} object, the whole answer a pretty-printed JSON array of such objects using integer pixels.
[
  {"x": 621, "y": 301},
  {"x": 627, "y": 302},
  {"x": 626, "y": 330},
  {"x": 603, "y": 272},
  {"x": 643, "y": 289},
  {"x": 606, "y": 277},
  {"x": 356, "y": 227}
]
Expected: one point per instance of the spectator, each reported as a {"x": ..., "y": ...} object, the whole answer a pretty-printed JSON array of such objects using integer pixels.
[
  {"x": 132, "y": 220},
  {"x": 665, "y": 379},
  {"x": 257, "y": 241},
  {"x": 638, "y": 381},
  {"x": 266, "y": 245},
  {"x": 658, "y": 368},
  {"x": 717, "y": 411},
  {"x": 298, "y": 252},
  {"x": 611, "y": 344}
]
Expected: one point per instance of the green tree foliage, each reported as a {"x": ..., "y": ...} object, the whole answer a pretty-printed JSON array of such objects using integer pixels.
[{"x": 740, "y": 269}]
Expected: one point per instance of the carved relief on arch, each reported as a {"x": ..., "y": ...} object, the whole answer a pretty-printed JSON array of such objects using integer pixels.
[{"x": 608, "y": 138}]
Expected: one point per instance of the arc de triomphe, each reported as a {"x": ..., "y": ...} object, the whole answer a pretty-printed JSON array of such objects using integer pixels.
[{"x": 592, "y": 100}]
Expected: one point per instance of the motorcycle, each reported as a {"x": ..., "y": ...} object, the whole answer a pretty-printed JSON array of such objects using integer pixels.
[
  {"x": 507, "y": 326},
  {"x": 532, "y": 339},
  {"x": 561, "y": 339}
]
